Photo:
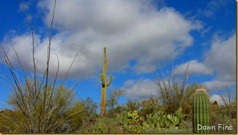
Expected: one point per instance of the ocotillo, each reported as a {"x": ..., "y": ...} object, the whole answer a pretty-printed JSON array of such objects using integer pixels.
[{"x": 105, "y": 84}]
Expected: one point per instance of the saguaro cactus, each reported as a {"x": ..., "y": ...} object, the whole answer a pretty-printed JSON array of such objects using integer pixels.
[
  {"x": 201, "y": 111},
  {"x": 105, "y": 84}
]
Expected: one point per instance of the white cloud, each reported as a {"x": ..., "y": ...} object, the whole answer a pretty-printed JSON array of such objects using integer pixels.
[
  {"x": 212, "y": 7},
  {"x": 222, "y": 57},
  {"x": 217, "y": 84},
  {"x": 131, "y": 30},
  {"x": 140, "y": 89},
  {"x": 219, "y": 61},
  {"x": 194, "y": 67}
]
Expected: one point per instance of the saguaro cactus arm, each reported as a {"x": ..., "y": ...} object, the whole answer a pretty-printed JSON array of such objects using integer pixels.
[
  {"x": 103, "y": 80},
  {"x": 110, "y": 81}
]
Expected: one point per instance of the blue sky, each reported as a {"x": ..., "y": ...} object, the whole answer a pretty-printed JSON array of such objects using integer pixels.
[{"x": 140, "y": 36}]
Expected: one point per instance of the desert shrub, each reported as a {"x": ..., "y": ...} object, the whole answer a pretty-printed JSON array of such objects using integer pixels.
[
  {"x": 113, "y": 107},
  {"x": 224, "y": 114},
  {"x": 42, "y": 113},
  {"x": 149, "y": 106},
  {"x": 215, "y": 106},
  {"x": 74, "y": 117},
  {"x": 161, "y": 121},
  {"x": 186, "y": 101},
  {"x": 88, "y": 124},
  {"x": 112, "y": 102},
  {"x": 90, "y": 106},
  {"x": 112, "y": 113},
  {"x": 91, "y": 116},
  {"x": 105, "y": 125},
  {"x": 229, "y": 108},
  {"x": 219, "y": 118},
  {"x": 131, "y": 122},
  {"x": 133, "y": 104},
  {"x": 9, "y": 121},
  {"x": 174, "y": 92}
]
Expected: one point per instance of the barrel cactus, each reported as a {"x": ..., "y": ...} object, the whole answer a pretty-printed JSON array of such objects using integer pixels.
[{"x": 201, "y": 111}]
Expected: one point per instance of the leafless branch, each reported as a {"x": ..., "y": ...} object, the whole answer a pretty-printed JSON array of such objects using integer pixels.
[
  {"x": 49, "y": 51},
  {"x": 75, "y": 56}
]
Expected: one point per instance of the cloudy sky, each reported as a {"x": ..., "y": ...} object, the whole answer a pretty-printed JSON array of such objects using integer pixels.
[{"x": 141, "y": 36}]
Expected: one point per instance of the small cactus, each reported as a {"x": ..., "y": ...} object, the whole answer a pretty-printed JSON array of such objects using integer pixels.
[
  {"x": 105, "y": 84},
  {"x": 201, "y": 110}
]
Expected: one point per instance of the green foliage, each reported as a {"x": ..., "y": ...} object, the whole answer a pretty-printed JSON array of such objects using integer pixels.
[
  {"x": 132, "y": 122},
  {"x": 90, "y": 106},
  {"x": 220, "y": 118},
  {"x": 87, "y": 117},
  {"x": 173, "y": 121},
  {"x": 149, "y": 106},
  {"x": 9, "y": 121},
  {"x": 226, "y": 114},
  {"x": 112, "y": 102},
  {"x": 107, "y": 125},
  {"x": 133, "y": 105},
  {"x": 44, "y": 113},
  {"x": 112, "y": 113},
  {"x": 155, "y": 121},
  {"x": 161, "y": 120},
  {"x": 173, "y": 92},
  {"x": 201, "y": 110},
  {"x": 88, "y": 124},
  {"x": 100, "y": 127},
  {"x": 186, "y": 102},
  {"x": 76, "y": 114}
]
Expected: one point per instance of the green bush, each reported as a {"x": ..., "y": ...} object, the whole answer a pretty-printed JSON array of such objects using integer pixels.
[
  {"x": 46, "y": 113},
  {"x": 160, "y": 120},
  {"x": 131, "y": 122},
  {"x": 107, "y": 125},
  {"x": 149, "y": 106}
]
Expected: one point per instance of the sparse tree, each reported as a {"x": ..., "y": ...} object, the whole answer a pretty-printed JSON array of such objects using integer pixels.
[{"x": 112, "y": 102}]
